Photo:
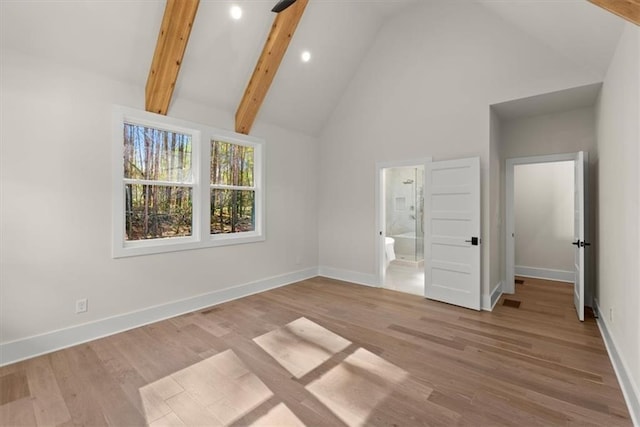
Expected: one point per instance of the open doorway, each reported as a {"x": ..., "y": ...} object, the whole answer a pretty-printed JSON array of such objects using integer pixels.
[
  {"x": 543, "y": 217},
  {"x": 400, "y": 200},
  {"x": 545, "y": 221}
]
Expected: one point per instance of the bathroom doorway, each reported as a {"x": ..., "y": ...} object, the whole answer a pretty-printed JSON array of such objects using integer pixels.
[{"x": 401, "y": 226}]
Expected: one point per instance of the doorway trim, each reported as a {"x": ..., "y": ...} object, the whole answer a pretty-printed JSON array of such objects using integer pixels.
[
  {"x": 509, "y": 283},
  {"x": 380, "y": 232}
]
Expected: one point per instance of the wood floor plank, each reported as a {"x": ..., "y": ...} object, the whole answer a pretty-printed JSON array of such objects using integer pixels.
[
  {"x": 18, "y": 413},
  {"x": 169, "y": 420},
  {"x": 14, "y": 386},
  {"x": 455, "y": 345},
  {"x": 531, "y": 360},
  {"x": 119, "y": 368},
  {"x": 113, "y": 401},
  {"x": 79, "y": 396},
  {"x": 176, "y": 345},
  {"x": 190, "y": 412},
  {"x": 48, "y": 405},
  {"x": 406, "y": 361}
]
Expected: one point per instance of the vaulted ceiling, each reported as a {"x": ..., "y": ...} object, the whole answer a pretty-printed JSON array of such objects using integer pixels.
[{"x": 118, "y": 38}]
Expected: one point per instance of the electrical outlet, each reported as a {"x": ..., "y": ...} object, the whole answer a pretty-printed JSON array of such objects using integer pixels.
[{"x": 82, "y": 305}]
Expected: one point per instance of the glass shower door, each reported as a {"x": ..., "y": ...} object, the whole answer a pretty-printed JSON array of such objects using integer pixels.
[{"x": 419, "y": 203}]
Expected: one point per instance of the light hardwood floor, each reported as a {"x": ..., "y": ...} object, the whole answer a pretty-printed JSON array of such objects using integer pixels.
[{"x": 326, "y": 353}]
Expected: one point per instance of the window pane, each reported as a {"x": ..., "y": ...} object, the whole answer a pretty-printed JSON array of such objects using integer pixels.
[
  {"x": 155, "y": 154},
  {"x": 232, "y": 211},
  {"x": 231, "y": 164},
  {"x": 154, "y": 211}
]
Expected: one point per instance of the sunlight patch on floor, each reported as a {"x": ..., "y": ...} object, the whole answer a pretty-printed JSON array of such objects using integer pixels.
[
  {"x": 354, "y": 388},
  {"x": 301, "y": 346},
  {"x": 217, "y": 391},
  {"x": 222, "y": 390},
  {"x": 280, "y": 416}
]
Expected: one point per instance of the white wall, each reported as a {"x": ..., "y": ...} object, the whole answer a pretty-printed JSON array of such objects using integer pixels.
[
  {"x": 424, "y": 89},
  {"x": 557, "y": 133},
  {"x": 618, "y": 253},
  {"x": 544, "y": 215},
  {"x": 56, "y": 206},
  {"x": 496, "y": 211}
]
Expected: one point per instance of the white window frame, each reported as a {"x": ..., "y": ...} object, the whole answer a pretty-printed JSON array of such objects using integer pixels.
[
  {"x": 201, "y": 137},
  {"x": 258, "y": 168}
]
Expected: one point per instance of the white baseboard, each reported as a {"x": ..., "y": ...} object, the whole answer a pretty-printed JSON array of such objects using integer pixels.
[
  {"x": 545, "y": 273},
  {"x": 629, "y": 388},
  {"x": 349, "y": 276},
  {"x": 490, "y": 301},
  {"x": 26, "y": 348}
]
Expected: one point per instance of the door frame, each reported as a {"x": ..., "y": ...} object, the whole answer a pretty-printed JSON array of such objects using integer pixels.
[
  {"x": 380, "y": 231},
  {"x": 509, "y": 283}
]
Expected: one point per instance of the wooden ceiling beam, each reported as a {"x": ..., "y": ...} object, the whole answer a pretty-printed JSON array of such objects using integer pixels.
[
  {"x": 627, "y": 9},
  {"x": 284, "y": 25},
  {"x": 170, "y": 47}
]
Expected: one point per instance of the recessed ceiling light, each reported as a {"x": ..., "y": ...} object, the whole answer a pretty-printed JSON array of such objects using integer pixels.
[
  {"x": 306, "y": 56},
  {"x": 236, "y": 12}
]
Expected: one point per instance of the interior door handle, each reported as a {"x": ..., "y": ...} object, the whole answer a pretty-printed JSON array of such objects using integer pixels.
[
  {"x": 577, "y": 243},
  {"x": 581, "y": 244},
  {"x": 473, "y": 241}
]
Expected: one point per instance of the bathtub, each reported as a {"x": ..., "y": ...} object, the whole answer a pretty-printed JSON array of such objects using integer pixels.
[{"x": 405, "y": 245}]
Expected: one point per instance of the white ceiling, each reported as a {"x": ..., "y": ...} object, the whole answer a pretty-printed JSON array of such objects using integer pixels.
[
  {"x": 117, "y": 38},
  {"x": 583, "y": 33}
]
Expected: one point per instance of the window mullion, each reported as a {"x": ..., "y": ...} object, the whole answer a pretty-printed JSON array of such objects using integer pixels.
[
  {"x": 232, "y": 187},
  {"x": 158, "y": 183},
  {"x": 204, "y": 191}
]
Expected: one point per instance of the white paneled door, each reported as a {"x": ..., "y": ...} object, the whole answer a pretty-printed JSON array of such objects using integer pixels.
[
  {"x": 579, "y": 230},
  {"x": 452, "y": 232}
]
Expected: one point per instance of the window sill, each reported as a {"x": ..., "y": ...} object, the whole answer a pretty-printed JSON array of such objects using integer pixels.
[{"x": 160, "y": 246}]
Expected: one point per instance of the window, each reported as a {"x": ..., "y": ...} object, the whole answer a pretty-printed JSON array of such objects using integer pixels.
[
  {"x": 158, "y": 183},
  {"x": 171, "y": 192},
  {"x": 232, "y": 188}
]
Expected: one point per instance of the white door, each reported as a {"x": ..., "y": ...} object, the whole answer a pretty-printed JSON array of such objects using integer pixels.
[
  {"x": 452, "y": 232},
  {"x": 579, "y": 231}
]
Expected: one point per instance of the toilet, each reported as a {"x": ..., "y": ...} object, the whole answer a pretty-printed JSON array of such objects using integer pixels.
[{"x": 390, "y": 254}]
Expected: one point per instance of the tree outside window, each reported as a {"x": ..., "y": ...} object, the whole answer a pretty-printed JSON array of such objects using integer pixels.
[
  {"x": 232, "y": 188},
  {"x": 157, "y": 183}
]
